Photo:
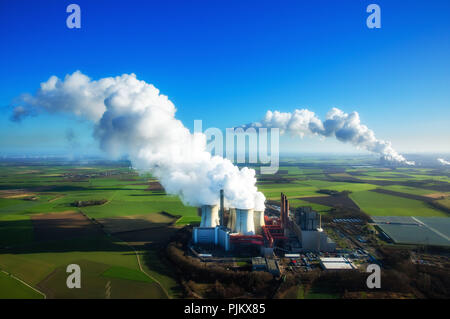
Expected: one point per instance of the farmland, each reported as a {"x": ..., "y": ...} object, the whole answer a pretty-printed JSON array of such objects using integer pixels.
[
  {"x": 12, "y": 288},
  {"x": 392, "y": 205},
  {"x": 113, "y": 221},
  {"x": 41, "y": 231}
]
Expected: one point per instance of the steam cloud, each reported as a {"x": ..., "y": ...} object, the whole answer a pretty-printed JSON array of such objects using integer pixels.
[
  {"x": 345, "y": 127},
  {"x": 131, "y": 117},
  {"x": 443, "y": 161}
]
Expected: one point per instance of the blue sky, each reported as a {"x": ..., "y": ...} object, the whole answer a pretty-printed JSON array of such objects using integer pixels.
[{"x": 227, "y": 62}]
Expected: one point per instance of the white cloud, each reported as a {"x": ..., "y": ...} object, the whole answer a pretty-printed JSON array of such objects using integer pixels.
[
  {"x": 131, "y": 117},
  {"x": 344, "y": 127}
]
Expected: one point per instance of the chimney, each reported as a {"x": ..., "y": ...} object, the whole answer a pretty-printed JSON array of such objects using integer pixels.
[
  {"x": 222, "y": 208},
  {"x": 281, "y": 208},
  {"x": 286, "y": 213}
]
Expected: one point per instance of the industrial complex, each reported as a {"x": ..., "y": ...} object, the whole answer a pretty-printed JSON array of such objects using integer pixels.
[{"x": 233, "y": 229}]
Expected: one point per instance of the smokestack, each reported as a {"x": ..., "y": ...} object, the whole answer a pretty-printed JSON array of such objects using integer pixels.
[
  {"x": 281, "y": 208},
  {"x": 286, "y": 213},
  {"x": 284, "y": 210},
  {"x": 222, "y": 208}
]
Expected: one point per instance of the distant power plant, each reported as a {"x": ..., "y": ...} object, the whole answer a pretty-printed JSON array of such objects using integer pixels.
[{"x": 249, "y": 227}]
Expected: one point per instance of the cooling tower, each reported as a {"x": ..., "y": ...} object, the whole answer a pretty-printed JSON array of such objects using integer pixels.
[
  {"x": 258, "y": 221},
  {"x": 210, "y": 216},
  {"x": 232, "y": 220},
  {"x": 244, "y": 222}
]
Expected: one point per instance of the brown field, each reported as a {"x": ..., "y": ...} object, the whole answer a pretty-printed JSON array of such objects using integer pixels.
[
  {"x": 438, "y": 195},
  {"x": 29, "y": 171},
  {"x": 155, "y": 186},
  {"x": 15, "y": 193},
  {"x": 157, "y": 235},
  {"x": 136, "y": 222},
  {"x": 64, "y": 225},
  {"x": 333, "y": 201},
  {"x": 276, "y": 178},
  {"x": 344, "y": 177},
  {"x": 341, "y": 175}
]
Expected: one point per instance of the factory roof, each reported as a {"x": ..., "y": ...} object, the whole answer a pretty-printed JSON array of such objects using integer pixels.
[
  {"x": 333, "y": 259},
  {"x": 335, "y": 263},
  {"x": 272, "y": 266},
  {"x": 258, "y": 261},
  {"x": 336, "y": 266}
]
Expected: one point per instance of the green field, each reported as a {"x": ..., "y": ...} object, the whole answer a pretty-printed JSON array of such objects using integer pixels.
[
  {"x": 387, "y": 205},
  {"x": 294, "y": 203},
  {"x": 11, "y": 288},
  {"x": 54, "y": 189},
  {"x": 122, "y": 283},
  {"x": 444, "y": 202},
  {"x": 29, "y": 189},
  {"x": 126, "y": 273},
  {"x": 409, "y": 190}
]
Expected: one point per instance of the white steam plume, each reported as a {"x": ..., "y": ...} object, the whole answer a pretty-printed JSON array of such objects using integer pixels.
[
  {"x": 131, "y": 117},
  {"x": 345, "y": 127},
  {"x": 443, "y": 161}
]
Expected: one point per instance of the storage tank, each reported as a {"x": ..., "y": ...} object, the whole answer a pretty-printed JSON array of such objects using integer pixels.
[
  {"x": 210, "y": 216},
  {"x": 244, "y": 221},
  {"x": 258, "y": 221}
]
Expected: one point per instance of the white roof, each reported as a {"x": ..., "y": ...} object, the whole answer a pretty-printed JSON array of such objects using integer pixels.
[
  {"x": 333, "y": 259},
  {"x": 339, "y": 265}
]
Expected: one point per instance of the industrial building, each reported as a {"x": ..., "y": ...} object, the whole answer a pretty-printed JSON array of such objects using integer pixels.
[
  {"x": 232, "y": 228},
  {"x": 266, "y": 264},
  {"x": 313, "y": 237},
  {"x": 336, "y": 263}
]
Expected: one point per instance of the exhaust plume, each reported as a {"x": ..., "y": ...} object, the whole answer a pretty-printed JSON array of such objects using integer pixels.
[
  {"x": 344, "y": 127},
  {"x": 132, "y": 118}
]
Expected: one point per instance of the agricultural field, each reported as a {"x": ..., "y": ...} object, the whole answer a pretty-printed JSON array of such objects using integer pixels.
[
  {"x": 49, "y": 218},
  {"x": 444, "y": 202},
  {"x": 377, "y": 204},
  {"x": 113, "y": 221},
  {"x": 12, "y": 288},
  {"x": 373, "y": 189}
]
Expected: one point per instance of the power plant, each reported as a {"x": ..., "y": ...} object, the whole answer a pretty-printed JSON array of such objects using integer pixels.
[
  {"x": 232, "y": 228},
  {"x": 210, "y": 216}
]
